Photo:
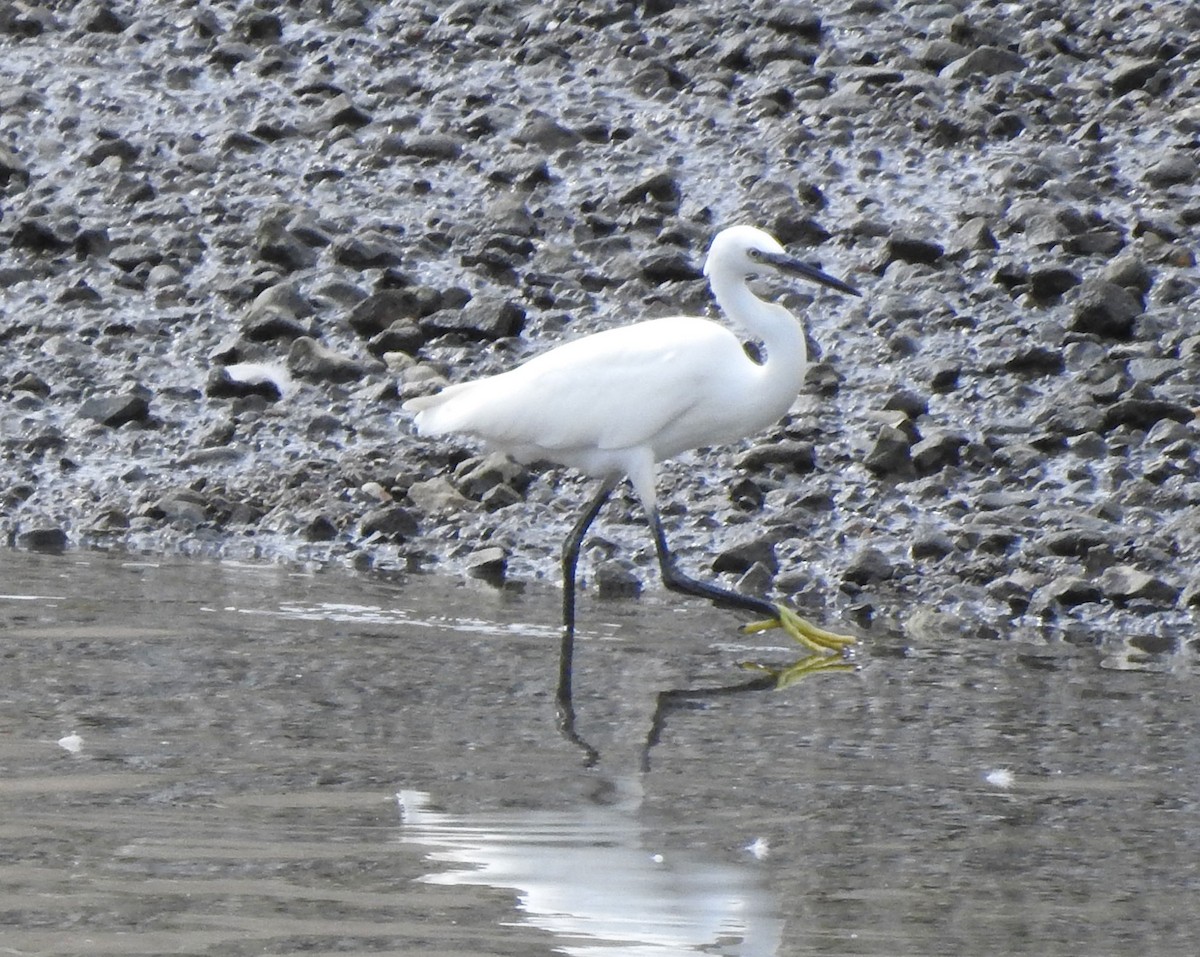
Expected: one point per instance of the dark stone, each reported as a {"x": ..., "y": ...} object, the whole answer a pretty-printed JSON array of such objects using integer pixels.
[
  {"x": 911, "y": 249},
  {"x": 1143, "y": 413},
  {"x": 932, "y": 545},
  {"x": 937, "y": 450},
  {"x": 39, "y": 236},
  {"x": 1174, "y": 169},
  {"x": 432, "y": 146},
  {"x": 369, "y": 250},
  {"x": 481, "y": 318},
  {"x": 1124, "y": 583},
  {"x": 1130, "y": 75},
  {"x": 912, "y": 404},
  {"x": 131, "y": 255},
  {"x": 320, "y": 529},
  {"x": 12, "y": 169},
  {"x": 403, "y": 335},
  {"x": 985, "y": 60},
  {"x": 975, "y": 234},
  {"x": 310, "y": 359},
  {"x": 49, "y": 539},
  {"x": 869, "y": 566},
  {"x": 185, "y": 506},
  {"x": 1106, "y": 309},
  {"x": 1069, "y": 591},
  {"x": 116, "y": 410},
  {"x": 271, "y": 325},
  {"x": 796, "y": 456},
  {"x": 1035, "y": 361},
  {"x": 258, "y": 26},
  {"x": 615, "y": 579},
  {"x": 738, "y": 559},
  {"x": 221, "y": 385},
  {"x": 1050, "y": 282},
  {"x": 488, "y": 564},
  {"x": 476, "y": 477},
  {"x": 944, "y": 376},
  {"x": 891, "y": 452},
  {"x": 670, "y": 267},
  {"x": 342, "y": 111},
  {"x": 101, "y": 18},
  {"x": 661, "y": 187},
  {"x": 392, "y": 522},
  {"x": 380, "y": 309}
]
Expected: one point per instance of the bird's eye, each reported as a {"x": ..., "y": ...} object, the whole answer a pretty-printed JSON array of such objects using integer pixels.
[{"x": 754, "y": 254}]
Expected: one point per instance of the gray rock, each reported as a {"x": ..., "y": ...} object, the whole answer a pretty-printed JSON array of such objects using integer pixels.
[
  {"x": 986, "y": 60},
  {"x": 116, "y": 410},
  {"x": 1106, "y": 309},
  {"x": 481, "y": 318},
  {"x": 615, "y": 579},
  {"x": 891, "y": 453},
  {"x": 1068, "y": 591},
  {"x": 370, "y": 249},
  {"x": 311, "y": 360},
  {"x": 975, "y": 234},
  {"x": 185, "y": 506},
  {"x": 937, "y": 450},
  {"x": 475, "y": 477},
  {"x": 741, "y": 557},
  {"x": 1124, "y": 583},
  {"x": 1174, "y": 169},
  {"x": 1050, "y": 282},
  {"x": 912, "y": 249},
  {"x": 794, "y": 455},
  {"x": 869, "y": 566},
  {"x": 403, "y": 335},
  {"x": 932, "y": 545},
  {"x": 1132, "y": 74},
  {"x": 394, "y": 523},
  {"x": 670, "y": 266},
  {"x": 488, "y": 564},
  {"x": 381, "y": 309},
  {"x": 47, "y": 538}
]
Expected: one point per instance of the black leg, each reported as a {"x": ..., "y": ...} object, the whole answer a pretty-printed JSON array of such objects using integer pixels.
[
  {"x": 570, "y": 552},
  {"x": 676, "y": 580},
  {"x": 566, "y": 656}
]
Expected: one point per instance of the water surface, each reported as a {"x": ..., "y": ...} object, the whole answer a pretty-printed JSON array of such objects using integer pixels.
[{"x": 205, "y": 759}]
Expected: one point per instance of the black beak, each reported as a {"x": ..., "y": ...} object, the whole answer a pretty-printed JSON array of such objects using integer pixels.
[{"x": 805, "y": 271}]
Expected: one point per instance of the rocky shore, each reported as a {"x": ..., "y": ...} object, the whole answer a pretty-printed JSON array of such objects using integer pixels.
[{"x": 235, "y": 237}]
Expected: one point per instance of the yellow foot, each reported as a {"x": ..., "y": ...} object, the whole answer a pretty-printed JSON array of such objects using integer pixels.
[
  {"x": 808, "y": 665},
  {"x": 805, "y": 632}
]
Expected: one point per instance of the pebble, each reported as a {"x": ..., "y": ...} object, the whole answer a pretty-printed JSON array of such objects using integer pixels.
[
  {"x": 310, "y": 359},
  {"x": 1125, "y": 583},
  {"x": 488, "y": 564},
  {"x": 50, "y": 539},
  {"x": 393, "y": 523},
  {"x": 1105, "y": 309},
  {"x": 116, "y": 410}
]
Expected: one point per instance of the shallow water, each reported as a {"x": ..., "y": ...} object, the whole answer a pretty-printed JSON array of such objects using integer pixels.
[{"x": 205, "y": 759}]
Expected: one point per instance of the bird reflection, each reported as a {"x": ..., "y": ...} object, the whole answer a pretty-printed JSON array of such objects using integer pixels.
[
  {"x": 766, "y": 678},
  {"x": 593, "y": 876}
]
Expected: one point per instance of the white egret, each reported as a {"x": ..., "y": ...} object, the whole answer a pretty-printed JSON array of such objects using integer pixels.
[{"x": 616, "y": 403}]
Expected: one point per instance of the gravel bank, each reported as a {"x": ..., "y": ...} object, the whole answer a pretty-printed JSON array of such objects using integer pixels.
[{"x": 236, "y": 237}]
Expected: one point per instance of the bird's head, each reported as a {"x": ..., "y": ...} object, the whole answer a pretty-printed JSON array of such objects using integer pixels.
[{"x": 744, "y": 251}]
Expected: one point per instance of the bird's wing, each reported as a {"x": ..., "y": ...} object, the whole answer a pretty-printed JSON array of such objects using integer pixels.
[{"x": 615, "y": 389}]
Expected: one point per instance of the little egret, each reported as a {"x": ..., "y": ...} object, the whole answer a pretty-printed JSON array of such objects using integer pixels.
[{"x": 616, "y": 403}]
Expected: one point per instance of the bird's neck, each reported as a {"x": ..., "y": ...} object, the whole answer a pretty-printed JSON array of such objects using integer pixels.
[{"x": 779, "y": 331}]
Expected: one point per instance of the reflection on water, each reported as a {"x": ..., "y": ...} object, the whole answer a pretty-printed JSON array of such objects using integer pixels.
[
  {"x": 203, "y": 759},
  {"x": 587, "y": 875}
]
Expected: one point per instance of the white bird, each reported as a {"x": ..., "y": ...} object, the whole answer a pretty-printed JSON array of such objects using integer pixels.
[{"x": 616, "y": 403}]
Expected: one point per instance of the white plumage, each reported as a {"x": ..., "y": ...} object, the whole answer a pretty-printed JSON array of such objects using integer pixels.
[{"x": 616, "y": 403}]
